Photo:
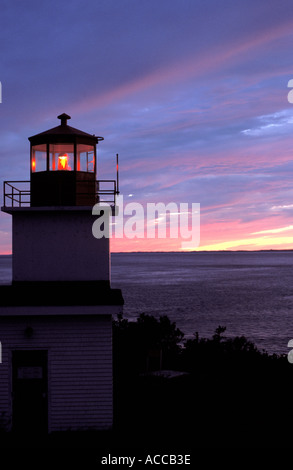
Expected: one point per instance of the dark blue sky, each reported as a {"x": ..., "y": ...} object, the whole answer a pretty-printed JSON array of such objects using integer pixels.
[{"x": 191, "y": 94}]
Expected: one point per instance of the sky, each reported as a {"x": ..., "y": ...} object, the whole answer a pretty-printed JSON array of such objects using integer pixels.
[{"x": 192, "y": 95}]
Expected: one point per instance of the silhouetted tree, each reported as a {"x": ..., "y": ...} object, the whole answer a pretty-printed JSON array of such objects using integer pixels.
[
  {"x": 231, "y": 387},
  {"x": 133, "y": 340}
]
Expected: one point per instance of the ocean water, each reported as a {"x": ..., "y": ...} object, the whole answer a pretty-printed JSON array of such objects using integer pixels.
[
  {"x": 5, "y": 269},
  {"x": 250, "y": 293}
]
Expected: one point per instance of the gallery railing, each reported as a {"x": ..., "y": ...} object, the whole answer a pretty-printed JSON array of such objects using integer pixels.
[{"x": 17, "y": 193}]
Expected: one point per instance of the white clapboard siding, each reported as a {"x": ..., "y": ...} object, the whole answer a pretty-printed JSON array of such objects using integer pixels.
[{"x": 79, "y": 367}]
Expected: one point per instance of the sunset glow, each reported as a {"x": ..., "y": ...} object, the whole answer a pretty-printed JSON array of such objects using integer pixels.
[{"x": 193, "y": 96}]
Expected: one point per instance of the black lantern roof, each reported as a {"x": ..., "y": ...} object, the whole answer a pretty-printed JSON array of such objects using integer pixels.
[{"x": 64, "y": 133}]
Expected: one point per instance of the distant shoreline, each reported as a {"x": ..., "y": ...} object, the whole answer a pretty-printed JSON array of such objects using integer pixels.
[
  {"x": 185, "y": 252},
  {"x": 203, "y": 251}
]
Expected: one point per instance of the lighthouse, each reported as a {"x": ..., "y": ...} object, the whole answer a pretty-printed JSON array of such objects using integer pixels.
[{"x": 56, "y": 315}]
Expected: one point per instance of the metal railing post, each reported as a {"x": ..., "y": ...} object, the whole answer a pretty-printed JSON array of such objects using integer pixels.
[{"x": 16, "y": 196}]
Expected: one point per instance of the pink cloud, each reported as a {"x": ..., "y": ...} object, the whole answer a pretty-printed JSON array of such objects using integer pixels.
[{"x": 194, "y": 66}]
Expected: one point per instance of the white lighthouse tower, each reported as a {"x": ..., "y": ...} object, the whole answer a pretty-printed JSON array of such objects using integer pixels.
[{"x": 56, "y": 315}]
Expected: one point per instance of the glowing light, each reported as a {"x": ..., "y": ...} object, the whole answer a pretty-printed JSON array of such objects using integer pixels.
[
  {"x": 63, "y": 162},
  {"x": 33, "y": 165}
]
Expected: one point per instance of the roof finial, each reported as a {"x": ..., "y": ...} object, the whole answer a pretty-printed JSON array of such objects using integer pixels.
[{"x": 64, "y": 117}]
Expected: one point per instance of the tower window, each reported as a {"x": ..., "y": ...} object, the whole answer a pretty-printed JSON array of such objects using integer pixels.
[
  {"x": 85, "y": 158},
  {"x": 39, "y": 158},
  {"x": 61, "y": 157}
]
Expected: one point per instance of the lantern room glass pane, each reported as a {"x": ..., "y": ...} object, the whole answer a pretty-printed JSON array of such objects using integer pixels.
[
  {"x": 61, "y": 157},
  {"x": 39, "y": 158},
  {"x": 85, "y": 158}
]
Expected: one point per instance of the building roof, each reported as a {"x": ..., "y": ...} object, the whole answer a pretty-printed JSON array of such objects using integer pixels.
[
  {"x": 65, "y": 131},
  {"x": 63, "y": 293}
]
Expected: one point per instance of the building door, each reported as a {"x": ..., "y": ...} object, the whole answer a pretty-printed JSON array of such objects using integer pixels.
[{"x": 30, "y": 391}]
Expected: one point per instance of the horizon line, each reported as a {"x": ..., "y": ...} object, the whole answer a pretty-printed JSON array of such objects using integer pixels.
[{"x": 188, "y": 252}]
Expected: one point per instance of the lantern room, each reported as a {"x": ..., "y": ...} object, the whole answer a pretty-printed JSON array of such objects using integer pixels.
[{"x": 63, "y": 166}]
